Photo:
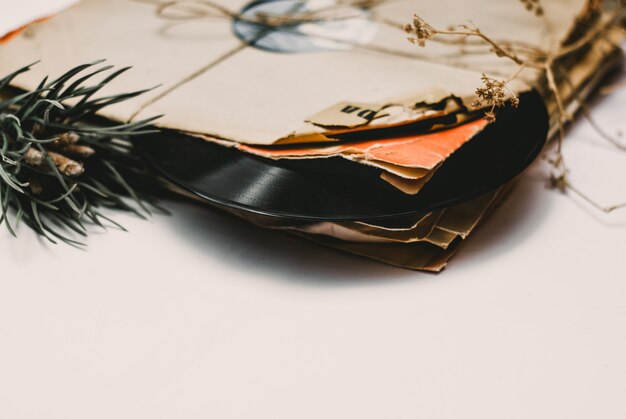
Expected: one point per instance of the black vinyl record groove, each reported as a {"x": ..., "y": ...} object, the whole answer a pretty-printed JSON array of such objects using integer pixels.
[{"x": 335, "y": 189}]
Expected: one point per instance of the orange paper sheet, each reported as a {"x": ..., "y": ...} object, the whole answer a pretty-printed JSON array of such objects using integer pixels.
[{"x": 426, "y": 151}]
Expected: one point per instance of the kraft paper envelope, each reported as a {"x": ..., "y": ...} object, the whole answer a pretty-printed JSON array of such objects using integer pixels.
[
  {"x": 425, "y": 255},
  {"x": 439, "y": 228},
  {"x": 215, "y": 84},
  {"x": 441, "y": 234}
]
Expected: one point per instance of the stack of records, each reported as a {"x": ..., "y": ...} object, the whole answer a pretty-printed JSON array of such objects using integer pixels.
[{"x": 319, "y": 118}]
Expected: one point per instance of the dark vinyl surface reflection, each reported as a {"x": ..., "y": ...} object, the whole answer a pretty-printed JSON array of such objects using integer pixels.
[{"x": 336, "y": 189}]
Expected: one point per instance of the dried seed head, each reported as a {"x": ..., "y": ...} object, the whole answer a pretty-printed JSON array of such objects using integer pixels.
[
  {"x": 35, "y": 186},
  {"x": 33, "y": 157},
  {"x": 493, "y": 94},
  {"x": 558, "y": 181},
  {"x": 490, "y": 117},
  {"x": 419, "y": 31},
  {"x": 79, "y": 150},
  {"x": 37, "y": 129},
  {"x": 533, "y": 6},
  {"x": 66, "y": 138},
  {"x": 66, "y": 166}
]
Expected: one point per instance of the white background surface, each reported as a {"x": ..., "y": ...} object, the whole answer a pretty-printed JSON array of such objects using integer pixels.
[
  {"x": 199, "y": 315},
  {"x": 28, "y": 12}
]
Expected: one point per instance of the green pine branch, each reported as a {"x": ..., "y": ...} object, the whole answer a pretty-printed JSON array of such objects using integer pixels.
[{"x": 58, "y": 169}]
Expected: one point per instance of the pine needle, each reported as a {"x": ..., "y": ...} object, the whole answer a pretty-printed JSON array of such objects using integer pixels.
[{"x": 53, "y": 192}]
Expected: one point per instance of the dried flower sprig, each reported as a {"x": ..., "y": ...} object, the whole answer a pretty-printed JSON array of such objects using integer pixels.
[
  {"x": 420, "y": 32},
  {"x": 493, "y": 92},
  {"x": 533, "y": 6},
  {"x": 56, "y": 168}
]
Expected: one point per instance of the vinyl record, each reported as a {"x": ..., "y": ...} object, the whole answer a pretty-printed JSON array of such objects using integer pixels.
[{"x": 335, "y": 189}]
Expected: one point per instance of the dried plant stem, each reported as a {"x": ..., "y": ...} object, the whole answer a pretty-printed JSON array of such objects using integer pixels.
[
  {"x": 202, "y": 9},
  {"x": 561, "y": 181},
  {"x": 593, "y": 203},
  {"x": 589, "y": 117},
  {"x": 611, "y": 22},
  {"x": 554, "y": 89},
  {"x": 499, "y": 50},
  {"x": 612, "y": 88},
  {"x": 493, "y": 91}
]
